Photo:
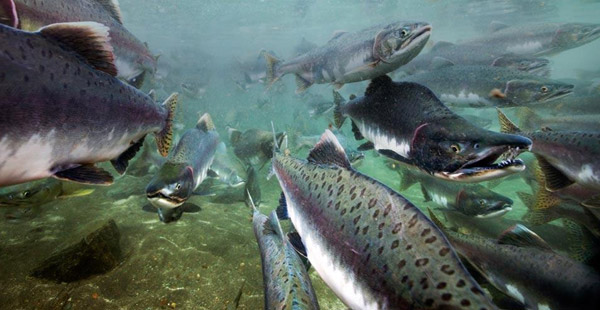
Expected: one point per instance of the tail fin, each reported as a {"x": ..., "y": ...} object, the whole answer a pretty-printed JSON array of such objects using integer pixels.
[
  {"x": 581, "y": 242},
  {"x": 272, "y": 65},
  {"x": 528, "y": 119},
  {"x": 506, "y": 125},
  {"x": 338, "y": 117},
  {"x": 541, "y": 204},
  {"x": 164, "y": 138}
]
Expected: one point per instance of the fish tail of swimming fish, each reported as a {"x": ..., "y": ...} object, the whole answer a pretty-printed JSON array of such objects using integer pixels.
[
  {"x": 338, "y": 116},
  {"x": 273, "y": 72},
  {"x": 164, "y": 138},
  {"x": 528, "y": 119},
  {"x": 506, "y": 125}
]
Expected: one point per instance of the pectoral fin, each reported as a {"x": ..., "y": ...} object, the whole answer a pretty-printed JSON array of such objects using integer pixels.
[{"x": 86, "y": 174}]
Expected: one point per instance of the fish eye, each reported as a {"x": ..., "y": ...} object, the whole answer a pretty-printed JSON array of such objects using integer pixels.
[
  {"x": 404, "y": 33},
  {"x": 455, "y": 148},
  {"x": 25, "y": 194},
  {"x": 544, "y": 89},
  {"x": 178, "y": 186},
  {"x": 476, "y": 145},
  {"x": 481, "y": 202}
]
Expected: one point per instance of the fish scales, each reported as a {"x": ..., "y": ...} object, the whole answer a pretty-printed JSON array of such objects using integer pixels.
[{"x": 374, "y": 248}]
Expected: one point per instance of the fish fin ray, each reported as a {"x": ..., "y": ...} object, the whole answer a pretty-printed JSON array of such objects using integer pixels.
[
  {"x": 581, "y": 245},
  {"x": 272, "y": 65},
  {"x": 302, "y": 84},
  {"x": 164, "y": 138},
  {"x": 120, "y": 163},
  {"x": 329, "y": 151},
  {"x": 112, "y": 6},
  {"x": 274, "y": 221},
  {"x": 90, "y": 40},
  {"x": 426, "y": 197},
  {"x": 205, "y": 123},
  {"x": 521, "y": 236},
  {"x": 86, "y": 174},
  {"x": 506, "y": 125},
  {"x": 554, "y": 178}
]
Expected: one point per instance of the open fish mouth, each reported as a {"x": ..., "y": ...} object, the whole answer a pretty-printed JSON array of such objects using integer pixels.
[
  {"x": 497, "y": 210},
  {"x": 486, "y": 166},
  {"x": 160, "y": 200}
]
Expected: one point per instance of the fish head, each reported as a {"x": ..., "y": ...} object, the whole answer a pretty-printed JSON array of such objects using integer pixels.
[
  {"x": 521, "y": 92},
  {"x": 570, "y": 35},
  {"x": 401, "y": 42},
  {"x": 467, "y": 153},
  {"x": 31, "y": 194},
  {"x": 531, "y": 65},
  {"x": 482, "y": 203},
  {"x": 172, "y": 186}
]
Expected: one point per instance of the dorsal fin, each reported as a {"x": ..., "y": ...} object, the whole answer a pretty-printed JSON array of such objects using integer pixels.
[
  {"x": 234, "y": 135},
  {"x": 274, "y": 221},
  {"x": 329, "y": 151},
  {"x": 506, "y": 125},
  {"x": 377, "y": 83},
  {"x": 440, "y": 46},
  {"x": 88, "y": 39},
  {"x": 205, "y": 123},
  {"x": 521, "y": 236},
  {"x": 112, "y": 7},
  {"x": 496, "y": 26},
  {"x": 8, "y": 13}
]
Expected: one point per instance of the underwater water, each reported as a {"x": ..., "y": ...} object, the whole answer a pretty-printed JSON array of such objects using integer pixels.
[{"x": 212, "y": 53}]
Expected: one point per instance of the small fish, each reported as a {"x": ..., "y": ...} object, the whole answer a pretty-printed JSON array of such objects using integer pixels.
[
  {"x": 354, "y": 57},
  {"x": 254, "y": 147},
  {"x": 486, "y": 86},
  {"x": 37, "y": 193},
  {"x": 445, "y": 53},
  {"x": 78, "y": 113},
  {"x": 186, "y": 167},
  {"x": 132, "y": 57},
  {"x": 530, "y": 120},
  {"x": 565, "y": 157},
  {"x": 407, "y": 122},
  {"x": 285, "y": 279},
  {"x": 522, "y": 265},
  {"x": 469, "y": 199},
  {"x": 540, "y": 39},
  {"x": 369, "y": 244}
]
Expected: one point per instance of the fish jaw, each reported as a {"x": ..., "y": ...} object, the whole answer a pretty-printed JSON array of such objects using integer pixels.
[
  {"x": 164, "y": 202},
  {"x": 411, "y": 48}
]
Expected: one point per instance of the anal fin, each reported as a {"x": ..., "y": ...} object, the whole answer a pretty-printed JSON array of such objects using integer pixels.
[
  {"x": 86, "y": 174},
  {"x": 519, "y": 235},
  {"x": 302, "y": 84},
  {"x": 281, "y": 210},
  {"x": 120, "y": 163}
]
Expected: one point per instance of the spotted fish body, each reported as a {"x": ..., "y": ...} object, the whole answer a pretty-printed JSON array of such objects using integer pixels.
[
  {"x": 132, "y": 57},
  {"x": 285, "y": 279},
  {"x": 485, "y": 86},
  {"x": 60, "y": 107},
  {"x": 539, "y": 278},
  {"x": 371, "y": 246},
  {"x": 353, "y": 57}
]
